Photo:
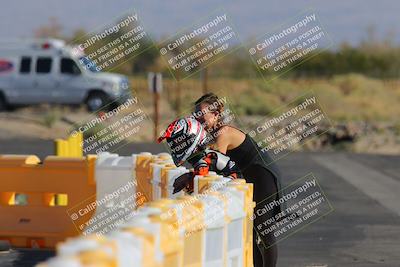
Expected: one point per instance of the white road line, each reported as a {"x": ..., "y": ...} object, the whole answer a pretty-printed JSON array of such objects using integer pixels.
[{"x": 373, "y": 183}]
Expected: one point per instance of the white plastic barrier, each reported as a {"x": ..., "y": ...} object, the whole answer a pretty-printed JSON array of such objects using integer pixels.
[
  {"x": 247, "y": 189},
  {"x": 72, "y": 247},
  {"x": 115, "y": 179},
  {"x": 116, "y": 188},
  {"x": 236, "y": 215},
  {"x": 61, "y": 261},
  {"x": 142, "y": 220},
  {"x": 128, "y": 248},
  {"x": 216, "y": 231},
  {"x": 236, "y": 228}
]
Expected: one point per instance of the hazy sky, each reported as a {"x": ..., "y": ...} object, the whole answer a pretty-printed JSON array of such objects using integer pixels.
[{"x": 345, "y": 20}]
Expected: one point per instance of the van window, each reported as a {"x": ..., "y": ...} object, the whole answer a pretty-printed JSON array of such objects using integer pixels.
[
  {"x": 68, "y": 66},
  {"x": 25, "y": 66},
  {"x": 43, "y": 65}
]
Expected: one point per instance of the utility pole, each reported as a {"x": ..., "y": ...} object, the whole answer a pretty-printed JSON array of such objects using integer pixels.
[
  {"x": 155, "y": 86},
  {"x": 178, "y": 95},
  {"x": 205, "y": 80},
  {"x": 156, "y": 114}
]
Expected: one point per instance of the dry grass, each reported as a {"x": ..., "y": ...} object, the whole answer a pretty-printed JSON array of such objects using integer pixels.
[{"x": 344, "y": 98}]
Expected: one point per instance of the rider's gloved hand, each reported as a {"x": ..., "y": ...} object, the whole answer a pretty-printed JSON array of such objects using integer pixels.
[{"x": 185, "y": 181}]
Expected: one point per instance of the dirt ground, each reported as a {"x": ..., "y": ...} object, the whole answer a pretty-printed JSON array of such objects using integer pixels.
[{"x": 51, "y": 122}]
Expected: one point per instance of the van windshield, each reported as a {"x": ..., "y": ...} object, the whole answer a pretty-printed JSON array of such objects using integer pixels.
[{"x": 88, "y": 64}]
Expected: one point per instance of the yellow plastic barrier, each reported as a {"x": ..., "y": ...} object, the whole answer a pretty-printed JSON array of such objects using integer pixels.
[
  {"x": 145, "y": 164},
  {"x": 194, "y": 238},
  {"x": 212, "y": 227},
  {"x": 171, "y": 239},
  {"x": 35, "y": 197},
  {"x": 143, "y": 174},
  {"x": 164, "y": 174},
  {"x": 91, "y": 251},
  {"x": 147, "y": 247},
  {"x": 71, "y": 147}
]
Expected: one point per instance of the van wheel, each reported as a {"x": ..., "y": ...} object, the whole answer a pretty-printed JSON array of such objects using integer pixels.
[
  {"x": 3, "y": 103},
  {"x": 96, "y": 100},
  {"x": 4, "y": 245}
]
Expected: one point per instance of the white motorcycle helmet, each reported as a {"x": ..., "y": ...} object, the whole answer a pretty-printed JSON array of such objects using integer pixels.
[{"x": 185, "y": 137}]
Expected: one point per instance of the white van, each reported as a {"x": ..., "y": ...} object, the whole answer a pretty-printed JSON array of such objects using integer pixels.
[{"x": 49, "y": 71}]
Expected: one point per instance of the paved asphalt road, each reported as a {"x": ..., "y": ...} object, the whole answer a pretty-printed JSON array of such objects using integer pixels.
[{"x": 364, "y": 190}]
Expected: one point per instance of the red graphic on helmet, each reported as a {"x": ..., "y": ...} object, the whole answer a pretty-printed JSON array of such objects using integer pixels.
[{"x": 184, "y": 137}]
